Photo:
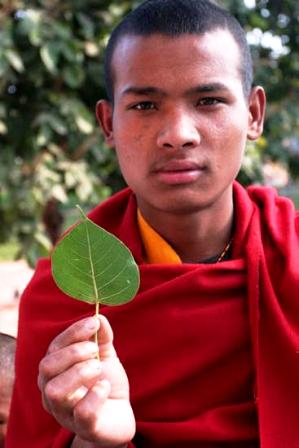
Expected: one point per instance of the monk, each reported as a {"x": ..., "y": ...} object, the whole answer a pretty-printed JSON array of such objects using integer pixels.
[{"x": 206, "y": 355}]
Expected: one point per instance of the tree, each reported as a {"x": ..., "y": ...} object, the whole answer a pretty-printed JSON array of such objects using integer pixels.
[
  {"x": 273, "y": 31},
  {"x": 52, "y": 154}
]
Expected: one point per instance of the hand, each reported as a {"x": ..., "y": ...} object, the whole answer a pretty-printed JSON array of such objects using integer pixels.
[{"x": 87, "y": 396}]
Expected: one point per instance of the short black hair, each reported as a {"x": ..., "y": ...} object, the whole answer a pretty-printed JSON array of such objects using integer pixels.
[{"x": 174, "y": 18}]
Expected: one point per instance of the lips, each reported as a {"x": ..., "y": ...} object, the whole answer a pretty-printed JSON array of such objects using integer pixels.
[
  {"x": 179, "y": 165},
  {"x": 179, "y": 171}
]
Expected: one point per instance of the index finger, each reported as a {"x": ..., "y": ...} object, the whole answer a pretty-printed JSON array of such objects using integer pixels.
[
  {"x": 83, "y": 330},
  {"x": 80, "y": 331}
]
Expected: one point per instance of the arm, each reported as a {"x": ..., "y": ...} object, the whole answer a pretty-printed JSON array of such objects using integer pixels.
[{"x": 87, "y": 396}]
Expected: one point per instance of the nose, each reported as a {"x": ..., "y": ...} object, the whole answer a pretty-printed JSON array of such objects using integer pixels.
[{"x": 178, "y": 131}]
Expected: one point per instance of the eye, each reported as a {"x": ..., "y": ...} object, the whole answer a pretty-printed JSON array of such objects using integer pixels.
[
  {"x": 144, "y": 105},
  {"x": 209, "y": 101}
]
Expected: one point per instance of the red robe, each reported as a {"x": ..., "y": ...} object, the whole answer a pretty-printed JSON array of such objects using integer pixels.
[{"x": 211, "y": 351}]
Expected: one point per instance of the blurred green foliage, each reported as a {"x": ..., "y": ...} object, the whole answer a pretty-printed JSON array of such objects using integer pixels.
[
  {"x": 273, "y": 32},
  {"x": 52, "y": 154}
]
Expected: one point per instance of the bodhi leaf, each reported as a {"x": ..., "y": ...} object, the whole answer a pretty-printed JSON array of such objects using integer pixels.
[{"x": 92, "y": 265}]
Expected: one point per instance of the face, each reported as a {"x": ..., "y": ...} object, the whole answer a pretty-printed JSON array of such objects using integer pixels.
[
  {"x": 5, "y": 397},
  {"x": 180, "y": 119}
]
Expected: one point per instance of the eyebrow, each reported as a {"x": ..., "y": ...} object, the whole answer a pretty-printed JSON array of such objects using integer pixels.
[
  {"x": 206, "y": 88},
  {"x": 143, "y": 91},
  {"x": 149, "y": 90}
]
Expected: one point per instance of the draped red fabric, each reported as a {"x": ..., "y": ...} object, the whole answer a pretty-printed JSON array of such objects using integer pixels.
[{"x": 211, "y": 351}]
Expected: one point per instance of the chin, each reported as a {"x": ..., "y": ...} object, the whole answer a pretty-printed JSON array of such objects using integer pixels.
[{"x": 183, "y": 206}]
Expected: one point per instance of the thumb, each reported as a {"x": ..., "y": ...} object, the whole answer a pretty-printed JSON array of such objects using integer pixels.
[{"x": 105, "y": 339}]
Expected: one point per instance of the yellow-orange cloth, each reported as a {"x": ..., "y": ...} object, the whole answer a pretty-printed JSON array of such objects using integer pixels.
[{"x": 157, "y": 250}]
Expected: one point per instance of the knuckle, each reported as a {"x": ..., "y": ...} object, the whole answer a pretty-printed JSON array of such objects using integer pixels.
[
  {"x": 75, "y": 351},
  {"x": 44, "y": 366},
  {"x": 80, "y": 369},
  {"x": 52, "y": 393},
  {"x": 53, "y": 347},
  {"x": 40, "y": 382},
  {"x": 88, "y": 369}
]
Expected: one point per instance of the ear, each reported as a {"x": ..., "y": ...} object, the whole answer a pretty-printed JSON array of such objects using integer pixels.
[
  {"x": 256, "y": 113},
  {"x": 104, "y": 113}
]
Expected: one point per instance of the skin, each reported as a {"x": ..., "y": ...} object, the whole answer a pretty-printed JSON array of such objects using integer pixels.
[
  {"x": 160, "y": 119},
  {"x": 85, "y": 395},
  {"x": 5, "y": 398},
  {"x": 179, "y": 125}
]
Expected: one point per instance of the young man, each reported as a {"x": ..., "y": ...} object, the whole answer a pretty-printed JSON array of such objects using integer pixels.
[
  {"x": 7, "y": 377},
  {"x": 210, "y": 344}
]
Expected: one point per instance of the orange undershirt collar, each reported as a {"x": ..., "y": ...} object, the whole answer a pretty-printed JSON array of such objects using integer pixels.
[{"x": 157, "y": 250}]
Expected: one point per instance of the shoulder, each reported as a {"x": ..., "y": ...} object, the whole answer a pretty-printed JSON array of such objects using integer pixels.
[
  {"x": 266, "y": 200},
  {"x": 113, "y": 208},
  {"x": 267, "y": 213},
  {"x": 274, "y": 208},
  {"x": 278, "y": 222},
  {"x": 269, "y": 198},
  {"x": 118, "y": 215}
]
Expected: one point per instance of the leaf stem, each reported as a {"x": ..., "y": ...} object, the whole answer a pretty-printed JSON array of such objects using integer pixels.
[
  {"x": 96, "y": 338},
  {"x": 97, "y": 309}
]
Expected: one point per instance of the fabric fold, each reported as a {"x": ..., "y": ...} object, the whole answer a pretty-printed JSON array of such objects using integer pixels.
[{"x": 211, "y": 351}]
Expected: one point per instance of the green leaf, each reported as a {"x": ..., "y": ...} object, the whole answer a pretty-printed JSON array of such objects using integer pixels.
[
  {"x": 73, "y": 75},
  {"x": 84, "y": 124},
  {"x": 3, "y": 128},
  {"x": 87, "y": 25},
  {"x": 15, "y": 60},
  {"x": 53, "y": 121},
  {"x": 49, "y": 54},
  {"x": 92, "y": 265}
]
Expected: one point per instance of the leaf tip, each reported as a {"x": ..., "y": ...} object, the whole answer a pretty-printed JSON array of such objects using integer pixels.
[{"x": 81, "y": 211}]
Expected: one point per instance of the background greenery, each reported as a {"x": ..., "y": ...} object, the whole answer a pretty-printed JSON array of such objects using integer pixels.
[{"x": 52, "y": 154}]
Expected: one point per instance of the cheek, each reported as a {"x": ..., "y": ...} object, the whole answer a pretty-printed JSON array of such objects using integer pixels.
[
  {"x": 132, "y": 142},
  {"x": 129, "y": 156},
  {"x": 233, "y": 135},
  {"x": 231, "y": 143},
  {"x": 132, "y": 128}
]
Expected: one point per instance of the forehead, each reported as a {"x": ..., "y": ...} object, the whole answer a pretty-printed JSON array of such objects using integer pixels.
[{"x": 156, "y": 57}]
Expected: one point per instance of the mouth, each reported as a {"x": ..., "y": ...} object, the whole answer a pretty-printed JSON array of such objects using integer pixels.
[{"x": 176, "y": 172}]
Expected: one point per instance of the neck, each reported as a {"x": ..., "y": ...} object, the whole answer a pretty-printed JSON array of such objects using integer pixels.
[{"x": 195, "y": 236}]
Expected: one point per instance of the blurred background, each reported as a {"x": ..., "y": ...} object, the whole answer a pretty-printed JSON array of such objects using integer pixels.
[{"x": 52, "y": 154}]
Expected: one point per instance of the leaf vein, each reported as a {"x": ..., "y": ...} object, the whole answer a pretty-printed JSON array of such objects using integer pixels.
[
  {"x": 113, "y": 279},
  {"x": 115, "y": 293}
]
